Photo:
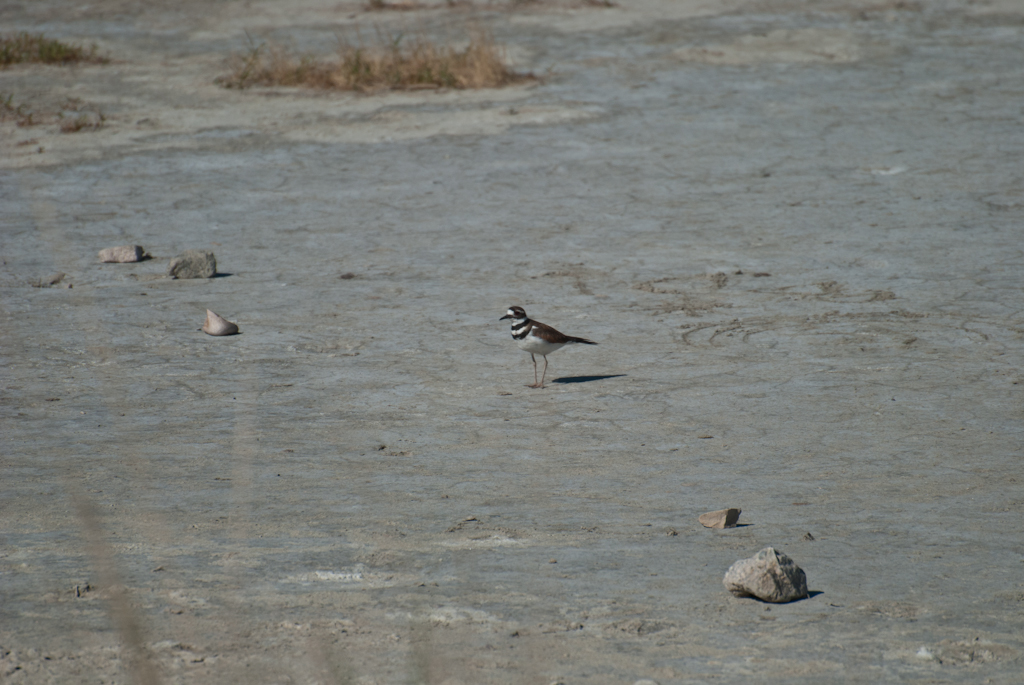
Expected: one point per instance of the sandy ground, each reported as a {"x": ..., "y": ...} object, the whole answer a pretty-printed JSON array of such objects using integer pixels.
[{"x": 794, "y": 229}]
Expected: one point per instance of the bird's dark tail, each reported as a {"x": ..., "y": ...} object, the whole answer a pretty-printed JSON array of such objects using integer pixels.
[{"x": 580, "y": 340}]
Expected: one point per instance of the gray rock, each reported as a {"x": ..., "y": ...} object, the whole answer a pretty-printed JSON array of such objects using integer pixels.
[
  {"x": 122, "y": 254},
  {"x": 723, "y": 518},
  {"x": 768, "y": 575},
  {"x": 193, "y": 264}
]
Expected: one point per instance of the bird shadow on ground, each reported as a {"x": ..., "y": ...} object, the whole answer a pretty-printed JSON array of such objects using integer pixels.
[{"x": 585, "y": 379}]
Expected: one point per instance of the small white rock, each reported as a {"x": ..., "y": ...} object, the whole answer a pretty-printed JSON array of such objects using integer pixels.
[{"x": 122, "y": 254}]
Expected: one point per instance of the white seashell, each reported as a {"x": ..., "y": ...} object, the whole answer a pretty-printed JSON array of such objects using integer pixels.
[{"x": 218, "y": 325}]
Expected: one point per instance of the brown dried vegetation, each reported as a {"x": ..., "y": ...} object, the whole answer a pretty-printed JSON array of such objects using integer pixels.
[
  {"x": 81, "y": 122},
  {"x": 393, "y": 6},
  {"x": 36, "y": 48},
  {"x": 393, "y": 64},
  {"x": 71, "y": 114},
  {"x": 22, "y": 114}
]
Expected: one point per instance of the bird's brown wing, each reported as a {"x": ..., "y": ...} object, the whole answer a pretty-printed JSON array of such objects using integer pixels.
[{"x": 551, "y": 335}]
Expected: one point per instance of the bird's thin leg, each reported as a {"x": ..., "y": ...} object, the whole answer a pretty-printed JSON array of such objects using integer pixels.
[
  {"x": 543, "y": 375},
  {"x": 535, "y": 384}
]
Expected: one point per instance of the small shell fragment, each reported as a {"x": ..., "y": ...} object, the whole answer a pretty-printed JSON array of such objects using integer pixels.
[{"x": 216, "y": 324}]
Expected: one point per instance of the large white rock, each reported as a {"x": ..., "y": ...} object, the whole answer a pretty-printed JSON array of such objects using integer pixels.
[{"x": 768, "y": 575}]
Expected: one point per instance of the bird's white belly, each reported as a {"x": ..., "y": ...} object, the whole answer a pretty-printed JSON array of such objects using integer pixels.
[{"x": 535, "y": 345}]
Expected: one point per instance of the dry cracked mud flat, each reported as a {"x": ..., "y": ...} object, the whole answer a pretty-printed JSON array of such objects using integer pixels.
[{"x": 794, "y": 229}]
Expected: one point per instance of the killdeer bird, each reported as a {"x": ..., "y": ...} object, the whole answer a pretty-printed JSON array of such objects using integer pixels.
[{"x": 537, "y": 338}]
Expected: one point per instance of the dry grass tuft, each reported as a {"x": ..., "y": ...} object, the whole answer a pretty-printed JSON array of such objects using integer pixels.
[
  {"x": 81, "y": 122},
  {"x": 75, "y": 115},
  {"x": 393, "y": 6},
  {"x": 21, "y": 113},
  {"x": 36, "y": 48},
  {"x": 411, "y": 5},
  {"x": 71, "y": 115},
  {"x": 393, "y": 64}
]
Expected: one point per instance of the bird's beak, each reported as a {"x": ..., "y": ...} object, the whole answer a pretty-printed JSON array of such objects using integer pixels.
[{"x": 507, "y": 316}]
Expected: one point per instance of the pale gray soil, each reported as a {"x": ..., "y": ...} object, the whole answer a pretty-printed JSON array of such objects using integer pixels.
[{"x": 794, "y": 229}]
